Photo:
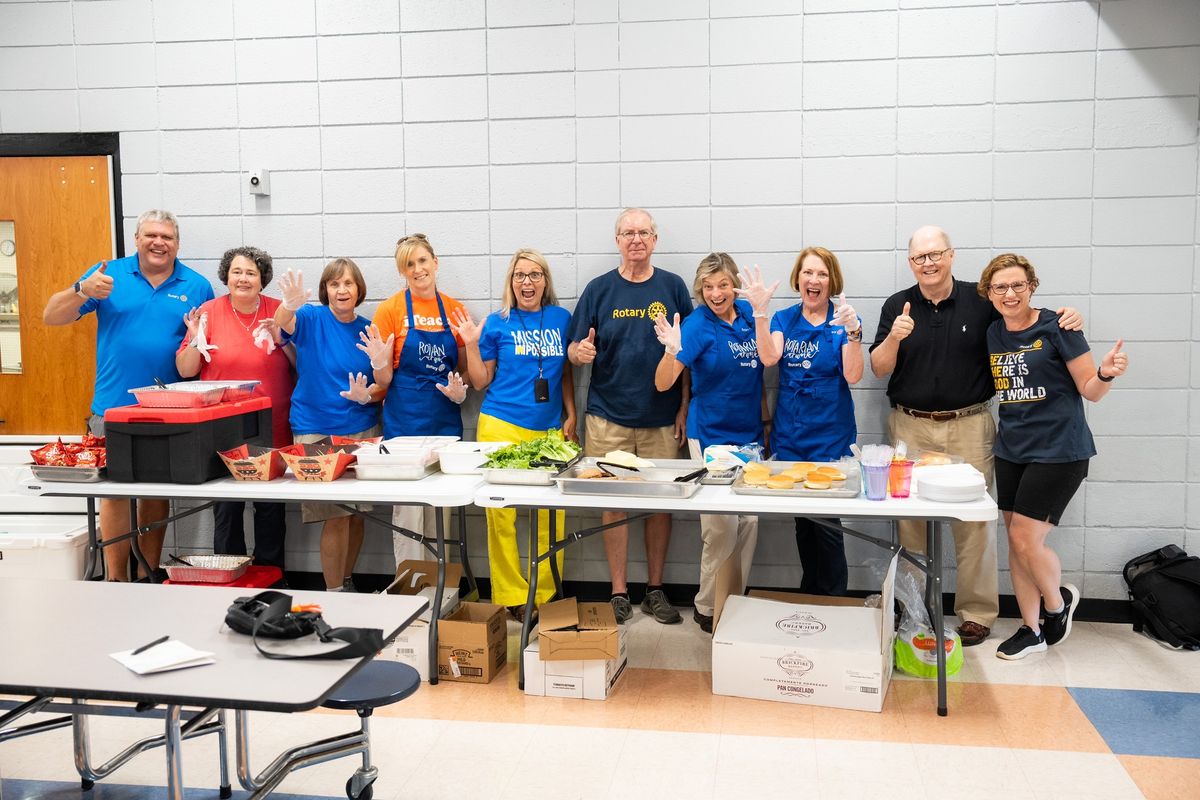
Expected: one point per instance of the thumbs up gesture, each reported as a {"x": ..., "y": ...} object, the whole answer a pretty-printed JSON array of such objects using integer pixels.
[
  {"x": 98, "y": 285},
  {"x": 585, "y": 351},
  {"x": 845, "y": 315},
  {"x": 902, "y": 325},
  {"x": 1115, "y": 361}
]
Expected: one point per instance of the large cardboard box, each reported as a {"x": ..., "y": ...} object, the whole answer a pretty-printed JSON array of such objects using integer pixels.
[
  {"x": 411, "y": 645},
  {"x": 573, "y": 631},
  {"x": 413, "y": 575},
  {"x": 826, "y": 655},
  {"x": 472, "y": 643},
  {"x": 593, "y": 679}
]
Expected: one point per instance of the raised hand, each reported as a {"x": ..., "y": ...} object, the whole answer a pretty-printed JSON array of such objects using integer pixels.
[
  {"x": 200, "y": 339},
  {"x": 98, "y": 285},
  {"x": 358, "y": 391},
  {"x": 844, "y": 315},
  {"x": 454, "y": 389},
  {"x": 585, "y": 351},
  {"x": 294, "y": 293},
  {"x": 192, "y": 321},
  {"x": 669, "y": 336},
  {"x": 467, "y": 329},
  {"x": 376, "y": 347},
  {"x": 1115, "y": 361},
  {"x": 902, "y": 325},
  {"x": 753, "y": 290}
]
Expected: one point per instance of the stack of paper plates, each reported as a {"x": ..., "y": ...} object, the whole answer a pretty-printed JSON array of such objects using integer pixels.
[{"x": 950, "y": 483}]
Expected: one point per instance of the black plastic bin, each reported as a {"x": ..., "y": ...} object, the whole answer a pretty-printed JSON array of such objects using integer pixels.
[{"x": 180, "y": 445}]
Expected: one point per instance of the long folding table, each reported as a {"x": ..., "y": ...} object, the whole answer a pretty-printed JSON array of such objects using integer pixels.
[
  {"x": 60, "y": 636},
  {"x": 718, "y": 499},
  {"x": 438, "y": 490}
]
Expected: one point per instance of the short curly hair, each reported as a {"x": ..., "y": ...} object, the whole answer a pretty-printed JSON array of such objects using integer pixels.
[
  {"x": 1005, "y": 261},
  {"x": 261, "y": 259}
]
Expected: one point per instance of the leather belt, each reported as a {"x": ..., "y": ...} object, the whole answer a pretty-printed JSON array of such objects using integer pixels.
[{"x": 944, "y": 416}]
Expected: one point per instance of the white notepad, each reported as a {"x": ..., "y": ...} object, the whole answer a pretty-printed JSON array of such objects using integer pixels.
[{"x": 171, "y": 654}]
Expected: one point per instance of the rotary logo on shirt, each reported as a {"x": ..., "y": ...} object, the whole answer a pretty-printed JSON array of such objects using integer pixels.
[
  {"x": 801, "y": 351},
  {"x": 433, "y": 356},
  {"x": 745, "y": 353}
]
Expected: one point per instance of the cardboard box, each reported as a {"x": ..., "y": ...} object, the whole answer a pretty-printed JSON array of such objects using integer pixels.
[
  {"x": 473, "y": 643},
  {"x": 413, "y": 575},
  {"x": 826, "y": 655},
  {"x": 593, "y": 679},
  {"x": 411, "y": 645},
  {"x": 572, "y": 631}
]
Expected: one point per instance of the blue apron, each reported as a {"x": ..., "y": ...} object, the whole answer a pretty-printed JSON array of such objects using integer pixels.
[
  {"x": 814, "y": 416},
  {"x": 414, "y": 406},
  {"x": 726, "y": 403}
]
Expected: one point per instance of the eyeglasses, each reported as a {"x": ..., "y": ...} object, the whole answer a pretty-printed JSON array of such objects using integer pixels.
[
  {"x": 932, "y": 258},
  {"x": 532, "y": 277},
  {"x": 629, "y": 236},
  {"x": 1001, "y": 289}
]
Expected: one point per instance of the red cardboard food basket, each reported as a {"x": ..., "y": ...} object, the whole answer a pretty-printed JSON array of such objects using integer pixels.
[
  {"x": 322, "y": 461},
  {"x": 250, "y": 462}
]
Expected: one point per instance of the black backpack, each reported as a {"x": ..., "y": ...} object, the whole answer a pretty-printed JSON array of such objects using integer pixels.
[{"x": 1164, "y": 588}]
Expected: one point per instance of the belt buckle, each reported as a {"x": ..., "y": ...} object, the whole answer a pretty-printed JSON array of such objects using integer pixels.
[{"x": 943, "y": 416}]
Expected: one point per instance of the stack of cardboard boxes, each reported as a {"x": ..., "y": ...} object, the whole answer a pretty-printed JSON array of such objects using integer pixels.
[{"x": 579, "y": 651}]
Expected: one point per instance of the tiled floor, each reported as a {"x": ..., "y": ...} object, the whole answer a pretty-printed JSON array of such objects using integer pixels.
[{"x": 1106, "y": 714}]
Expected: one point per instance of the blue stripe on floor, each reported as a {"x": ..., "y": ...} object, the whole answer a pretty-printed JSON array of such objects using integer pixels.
[
  {"x": 1139, "y": 723},
  {"x": 12, "y": 789}
]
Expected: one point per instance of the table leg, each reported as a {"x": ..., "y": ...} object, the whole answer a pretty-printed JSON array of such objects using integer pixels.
[
  {"x": 135, "y": 544},
  {"x": 93, "y": 548},
  {"x": 174, "y": 752},
  {"x": 435, "y": 611},
  {"x": 553, "y": 540},
  {"x": 472, "y": 585},
  {"x": 933, "y": 583},
  {"x": 527, "y": 624},
  {"x": 226, "y": 789}
]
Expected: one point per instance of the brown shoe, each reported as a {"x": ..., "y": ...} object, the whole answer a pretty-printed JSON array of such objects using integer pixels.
[{"x": 972, "y": 633}]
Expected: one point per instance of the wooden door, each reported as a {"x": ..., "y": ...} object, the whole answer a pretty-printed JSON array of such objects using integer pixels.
[{"x": 63, "y": 224}]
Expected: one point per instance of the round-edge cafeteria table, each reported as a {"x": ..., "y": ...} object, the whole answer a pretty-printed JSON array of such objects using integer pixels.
[
  {"x": 718, "y": 499},
  {"x": 73, "y": 662},
  {"x": 438, "y": 490}
]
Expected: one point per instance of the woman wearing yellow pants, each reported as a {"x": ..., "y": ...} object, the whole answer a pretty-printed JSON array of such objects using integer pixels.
[{"x": 519, "y": 353}]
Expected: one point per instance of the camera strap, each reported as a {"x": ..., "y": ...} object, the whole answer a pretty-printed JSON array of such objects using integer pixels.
[{"x": 359, "y": 641}]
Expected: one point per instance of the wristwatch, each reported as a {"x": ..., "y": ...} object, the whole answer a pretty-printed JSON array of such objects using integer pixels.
[
  {"x": 855, "y": 336},
  {"x": 79, "y": 290}
]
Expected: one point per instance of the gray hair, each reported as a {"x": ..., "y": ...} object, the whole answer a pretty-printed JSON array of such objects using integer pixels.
[
  {"x": 621, "y": 218},
  {"x": 156, "y": 215}
]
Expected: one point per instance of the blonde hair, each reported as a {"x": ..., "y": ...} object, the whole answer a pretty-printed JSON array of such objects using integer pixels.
[
  {"x": 510, "y": 297},
  {"x": 836, "y": 284},
  {"x": 710, "y": 265},
  {"x": 407, "y": 246}
]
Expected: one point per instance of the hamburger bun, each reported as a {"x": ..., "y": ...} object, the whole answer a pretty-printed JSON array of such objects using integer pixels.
[
  {"x": 780, "y": 481},
  {"x": 756, "y": 478},
  {"x": 591, "y": 472},
  {"x": 795, "y": 473},
  {"x": 833, "y": 473},
  {"x": 804, "y": 467},
  {"x": 817, "y": 483}
]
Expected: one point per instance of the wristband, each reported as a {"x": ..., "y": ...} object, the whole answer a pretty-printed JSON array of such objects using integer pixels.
[
  {"x": 758, "y": 315},
  {"x": 1100, "y": 375},
  {"x": 78, "y": 287},
  {"x": 378, "y": 366},
  {"x": 855, "y": 335}
]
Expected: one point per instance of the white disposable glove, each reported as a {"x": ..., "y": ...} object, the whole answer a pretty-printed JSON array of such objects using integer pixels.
[
  {"x": 264, "y": 340},
  {"x": 294, "y": 293},
  {"x": 844, "y": 315},
  {"x": 454, "y": 389},
  {"x": 376, "y": 348},
  {"x": 669, "y": 336},
  {"x": 200, "y": 340},
  {"x": 359, "y": 392},
  {"x": 755, "y": 291}
]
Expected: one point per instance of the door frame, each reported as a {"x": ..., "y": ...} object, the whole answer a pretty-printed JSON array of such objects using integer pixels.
[{"x": 75, "y": 144}]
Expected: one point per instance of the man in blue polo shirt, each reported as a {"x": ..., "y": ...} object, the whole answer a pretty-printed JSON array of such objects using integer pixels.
[{"x": 139, "y": 302}]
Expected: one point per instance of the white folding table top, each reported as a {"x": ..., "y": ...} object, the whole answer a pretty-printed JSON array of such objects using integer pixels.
[{"x": 59, "y": 636}]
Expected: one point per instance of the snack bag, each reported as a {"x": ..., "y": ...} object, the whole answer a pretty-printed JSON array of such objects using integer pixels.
[
  {"x": 720, "y": 457},
  {"x": 915, "y": 646}
]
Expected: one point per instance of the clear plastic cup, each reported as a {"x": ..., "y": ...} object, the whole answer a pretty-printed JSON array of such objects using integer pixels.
[
  {"x": 875, "y": 481},
  {"x": 900, "y": 478}
]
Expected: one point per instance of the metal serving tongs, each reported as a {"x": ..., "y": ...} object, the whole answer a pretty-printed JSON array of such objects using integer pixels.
[
  {"x": 691, "y": 476},
  {"x": 617, "y": 470},
  {"x": 158, "y": 382},
  {"x": 177, "y": 560}
]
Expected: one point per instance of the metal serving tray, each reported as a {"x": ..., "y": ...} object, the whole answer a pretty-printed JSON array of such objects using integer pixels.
[
  {"x": 656, "y": 481},
  {"x": 519, "y": 477},
  {"x": 393, "y": 472},
  {"x": 850, "y": 489},
  {"x": 68, "y": 474}
]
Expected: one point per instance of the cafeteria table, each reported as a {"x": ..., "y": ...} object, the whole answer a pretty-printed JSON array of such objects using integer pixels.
[
  {"x": 438, "y": 490},
  {"x": 721, "y": 499},
  {"x": 61, "y": 634}
]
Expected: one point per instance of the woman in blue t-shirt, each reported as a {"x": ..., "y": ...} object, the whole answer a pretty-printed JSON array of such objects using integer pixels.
[
  {"x": 334, "y": 347},
  {"x": 818, "y": 346},
  {"x": 1042, "y": 375},
  {"x": 716, "y": 343},
  {"x": 519, "y": 354}
]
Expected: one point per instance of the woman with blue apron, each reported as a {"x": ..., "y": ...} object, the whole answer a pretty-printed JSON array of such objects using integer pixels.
[
  {"x": 718, "y": 344},
  {"x": 818, "y": 346},
  {"x": 426, "y": 391}
]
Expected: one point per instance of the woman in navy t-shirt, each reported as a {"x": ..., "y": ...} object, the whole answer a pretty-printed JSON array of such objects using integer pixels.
[
  {"x": 716, "y": 343},
  {"x": 818, "y": 346},
  {"x": 1042, "y": 375},
  {"x": 519, "y": 354}
]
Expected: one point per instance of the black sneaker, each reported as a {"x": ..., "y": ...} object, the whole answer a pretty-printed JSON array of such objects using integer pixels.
[
  {"x": 656, "y": 604},
  {"x": 1021, "y": 644},
  {"x": 622, "y": 608},
  {"x": 704, "y": 621},
  {"x": 1058, "y": 626}
]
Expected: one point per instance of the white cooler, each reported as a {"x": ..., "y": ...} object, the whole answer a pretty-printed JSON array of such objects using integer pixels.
[{"x": 43, "y": 546}]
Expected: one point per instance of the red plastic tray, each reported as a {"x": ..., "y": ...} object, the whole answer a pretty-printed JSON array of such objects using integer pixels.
[
  {"x": 137, "y": 413},
  {"x": 255, "y": 577}
]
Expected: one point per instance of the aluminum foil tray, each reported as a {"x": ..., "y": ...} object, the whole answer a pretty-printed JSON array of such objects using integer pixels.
[
  {"x": 656, "y": 481},
  {"x": 68, "y": 474},
  {"x": 850, "y": 489},
  {"x": 209, "y": 569}
]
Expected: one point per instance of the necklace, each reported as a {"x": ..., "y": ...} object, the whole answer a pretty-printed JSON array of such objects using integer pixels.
[{"x": 254, "y": 316}]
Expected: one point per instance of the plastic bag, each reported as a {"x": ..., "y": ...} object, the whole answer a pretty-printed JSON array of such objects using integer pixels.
[
  {"x": 718, "y": 457},
  {"x": 916, "y": 646}
]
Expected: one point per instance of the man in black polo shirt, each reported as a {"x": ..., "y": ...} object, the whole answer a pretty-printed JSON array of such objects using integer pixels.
[{"x": 932, "y": 339}]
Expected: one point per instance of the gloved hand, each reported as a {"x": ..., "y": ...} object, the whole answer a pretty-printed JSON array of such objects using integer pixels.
[
  {"x": 454, "y": 389},
  {"x": 264, "y": 335},
  {"x": 753, "y": 290},
  {"x": 376, "y": 348},
  {"x": 844, "y": 315},
  {"x": 668, "y": 335},
  {"x": 294, "y": 293},
  {"x": 197, "y": 325},
  {"x": 467, "y": 328},
  {"x": 359, "y": 392}
]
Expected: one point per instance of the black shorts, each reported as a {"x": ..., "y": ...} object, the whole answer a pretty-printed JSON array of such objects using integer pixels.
[{"x": 1038, "y": 491}]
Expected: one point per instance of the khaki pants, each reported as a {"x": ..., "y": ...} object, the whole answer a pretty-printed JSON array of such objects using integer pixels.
[
  {"x": 725, "y": 537},
  {"x": 977, "y": 596}
]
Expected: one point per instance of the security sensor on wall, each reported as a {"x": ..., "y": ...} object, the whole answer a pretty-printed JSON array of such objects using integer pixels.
[{"x": 259, "y": 181}]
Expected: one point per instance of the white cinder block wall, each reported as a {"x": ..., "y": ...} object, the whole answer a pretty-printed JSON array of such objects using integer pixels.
[{"x": 1063, "y": 130}]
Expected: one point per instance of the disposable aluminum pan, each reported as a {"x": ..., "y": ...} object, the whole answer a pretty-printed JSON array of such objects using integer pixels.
[
  {"x": 519, "y": 477},
  {"x": 68, "y": 474},
  {"x": 847, "y": 490},
  {"x": 209, "y": 569},
  {"x": 646, "y": 482}
]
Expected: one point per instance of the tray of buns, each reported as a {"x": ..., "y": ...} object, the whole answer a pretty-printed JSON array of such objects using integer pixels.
[{"x": 841, "y": 479}]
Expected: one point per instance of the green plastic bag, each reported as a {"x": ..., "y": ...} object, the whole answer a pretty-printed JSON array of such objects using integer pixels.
[{"x": 916, "y": 652}]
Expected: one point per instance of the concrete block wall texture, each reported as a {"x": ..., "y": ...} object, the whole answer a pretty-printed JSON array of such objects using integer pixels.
[{"x": 1065, "y": 130}]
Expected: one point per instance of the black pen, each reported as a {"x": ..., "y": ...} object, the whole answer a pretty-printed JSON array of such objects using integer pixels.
[{"x": 146, "y": 647}]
